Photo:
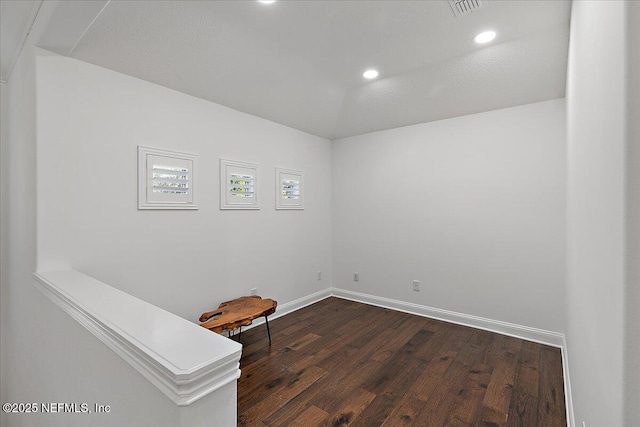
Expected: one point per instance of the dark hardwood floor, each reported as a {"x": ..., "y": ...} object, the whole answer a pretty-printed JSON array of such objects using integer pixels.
[{"x": 339, "y": 362}]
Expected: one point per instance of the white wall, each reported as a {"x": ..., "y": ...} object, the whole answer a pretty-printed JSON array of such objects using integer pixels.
[
  {"x": 632, "y": 215},
  {"x": 595, "y": 260},
  {"x": 90, "y": 121},
  {"x": 22, "y": 347},
  {"x": 473, "y": 207},
  {"x": 4, "y": 142}
]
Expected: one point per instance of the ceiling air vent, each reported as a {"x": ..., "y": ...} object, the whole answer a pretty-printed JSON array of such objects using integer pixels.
[{"x": 463, "y": 7}]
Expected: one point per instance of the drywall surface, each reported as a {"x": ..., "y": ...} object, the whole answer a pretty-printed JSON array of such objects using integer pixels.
[
  {"x": 4, "y": 247},
  {"x": 22, "y": 347},
  {"x": 472, "y": 207},
  {"x": 90, "y": 122},
  {"x": 632, "y": 215},
  {"x": 595, "y": 258}
]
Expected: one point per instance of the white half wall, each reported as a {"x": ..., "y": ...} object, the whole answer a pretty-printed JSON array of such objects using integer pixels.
[
  {"x": 596, "y": 205},
  {"x": 75, "y": 367},
  {"x": 90, "y": 122},
  {"x": 472, "y": 207}
]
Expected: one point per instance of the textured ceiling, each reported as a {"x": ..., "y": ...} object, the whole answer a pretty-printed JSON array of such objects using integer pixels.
[{"x": 300, "y": 63}]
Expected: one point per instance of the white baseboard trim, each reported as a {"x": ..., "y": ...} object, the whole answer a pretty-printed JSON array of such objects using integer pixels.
[
  {"x": 541, "y": 336},
  {"x": 291, "y": 306}
]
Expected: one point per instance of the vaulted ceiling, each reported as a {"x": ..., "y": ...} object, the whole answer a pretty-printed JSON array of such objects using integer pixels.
[{"x": 300, "y": 63}]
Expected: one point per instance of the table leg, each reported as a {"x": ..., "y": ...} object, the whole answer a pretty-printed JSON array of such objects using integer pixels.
[{"x": 266, "y": 320}]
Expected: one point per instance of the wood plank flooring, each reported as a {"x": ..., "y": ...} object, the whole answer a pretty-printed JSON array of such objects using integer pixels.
[{"x": 339, "y": 363}]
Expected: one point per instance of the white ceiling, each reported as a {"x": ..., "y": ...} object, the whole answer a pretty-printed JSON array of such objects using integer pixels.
[{"x": 300, "y": 63}]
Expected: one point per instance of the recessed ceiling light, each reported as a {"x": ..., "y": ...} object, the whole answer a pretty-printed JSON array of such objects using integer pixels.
[
  {"x": 267, "y": 1},
  {"x": 370, "y": 74},
  {"x": 485, "y": 37}
]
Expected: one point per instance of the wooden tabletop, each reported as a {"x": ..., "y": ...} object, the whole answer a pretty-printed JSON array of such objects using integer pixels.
[{"x": 233, "y": 314}]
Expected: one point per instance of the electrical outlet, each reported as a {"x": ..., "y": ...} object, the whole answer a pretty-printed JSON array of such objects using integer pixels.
[
  {"x": 319, "y": 275},
  {"x": 416, "y": 285},
  {"x": 356, "y": 277},
  {"x": 254, "y": 291}
]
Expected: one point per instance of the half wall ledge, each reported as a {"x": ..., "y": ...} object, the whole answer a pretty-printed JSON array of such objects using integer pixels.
[{"x": 185, "y": 361}]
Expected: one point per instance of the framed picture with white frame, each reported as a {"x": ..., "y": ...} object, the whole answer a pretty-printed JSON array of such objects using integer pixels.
[
  {"x": 166, "y": 179},
  {"x": 289, "y": 189},
  {"x": 238, "y": 185}
]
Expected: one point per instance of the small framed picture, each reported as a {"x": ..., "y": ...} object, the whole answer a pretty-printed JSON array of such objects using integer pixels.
[
  {"x": 238, "y": 185},
  {"x": 166, "y": 179},
  {"x": 289, "y": 189}
]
